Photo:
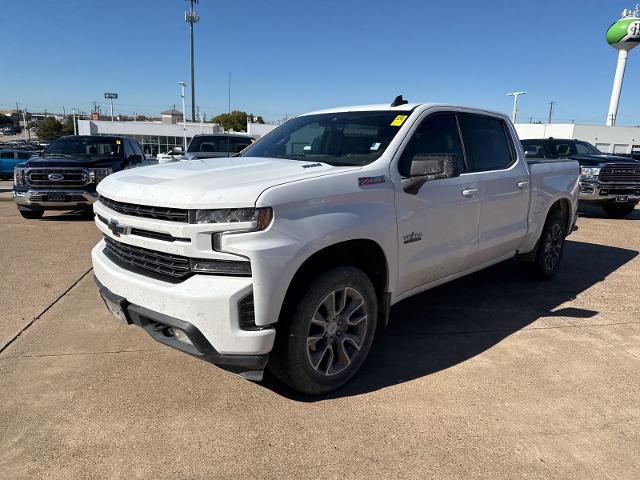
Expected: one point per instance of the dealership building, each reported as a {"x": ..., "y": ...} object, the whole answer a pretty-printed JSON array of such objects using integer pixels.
[
  {"x": 162, "y": 135},
  {"x": 607, "y": 139}
]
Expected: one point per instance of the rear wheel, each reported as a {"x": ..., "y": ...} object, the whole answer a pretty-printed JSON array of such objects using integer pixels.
[
  {"x": 618, "y": 211},
  {"x": 328, "y": 334},
  {"x": 550, "y": 247},
  {"x": 31, "y": 214}
]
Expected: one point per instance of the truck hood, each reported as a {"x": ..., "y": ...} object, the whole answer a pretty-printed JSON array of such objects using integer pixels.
[
  {"x": 61, "y": 161},
  {"x": 208, "y": 183},
  {"x": 600, "y": 160}
]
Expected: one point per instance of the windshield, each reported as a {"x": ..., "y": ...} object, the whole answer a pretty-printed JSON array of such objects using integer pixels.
[
  {"x": 85, "y": 146},
  {"x": 345, "y": 138},
  {"x": 219, "y": 143},
  {"x": 563, "y": 148}
]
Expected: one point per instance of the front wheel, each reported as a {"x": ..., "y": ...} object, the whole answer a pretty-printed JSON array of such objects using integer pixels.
[
  {"x": 329, "y": 333},
  {"x": 550, "y": 247},
  {"x": 618, "y": 211},
  {"x": 31, "y": 214}
]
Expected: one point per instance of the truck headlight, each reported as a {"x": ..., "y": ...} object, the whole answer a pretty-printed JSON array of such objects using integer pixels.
[
  {"x": 18, "y": 176},
  {"x": 589, "y": 173},
  {"x": 257, "y": 218},
  {"x": 99, "y": 174}
]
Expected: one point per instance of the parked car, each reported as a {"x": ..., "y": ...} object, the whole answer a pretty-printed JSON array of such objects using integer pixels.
[
  {"x": 65, "y": 175},
  {"x": 9, "y": 158},
  {"x": 290, "y": 255},
  {"x": 609, "y": 181},
  {"x": 209, "y": 146}
]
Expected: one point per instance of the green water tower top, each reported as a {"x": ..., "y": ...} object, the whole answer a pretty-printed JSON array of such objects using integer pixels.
[{"x": 625, "y": 33}]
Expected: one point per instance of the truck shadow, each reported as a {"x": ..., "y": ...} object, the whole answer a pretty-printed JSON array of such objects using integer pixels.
[
  {"x": 592, "y": 211},
  {"x": 457, "y": 321}
]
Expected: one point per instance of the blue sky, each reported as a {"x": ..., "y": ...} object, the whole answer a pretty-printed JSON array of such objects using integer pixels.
[{"x": 292, "y": 56}]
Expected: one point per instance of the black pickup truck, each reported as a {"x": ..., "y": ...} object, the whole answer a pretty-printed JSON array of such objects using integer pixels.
[
  {"x": 65, "y": 175},
  {"x": 609, "y": 181}
]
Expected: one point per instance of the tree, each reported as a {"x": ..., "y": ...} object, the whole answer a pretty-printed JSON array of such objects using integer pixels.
[
  {"x": 236, "y": 120},
  {"x": 67, "y": 126},
  {"x": 49, "y": 129}
]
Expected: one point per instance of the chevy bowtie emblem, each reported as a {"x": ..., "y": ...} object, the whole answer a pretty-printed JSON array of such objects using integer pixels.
[
  {"x": 117, "y": 228},
  {"x": 55, "y": 177}
]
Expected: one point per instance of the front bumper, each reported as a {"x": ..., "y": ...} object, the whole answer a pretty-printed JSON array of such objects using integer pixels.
[
  {"x": 595, "y": 192},
  {"x": 205, "y": 305},
  {"x": 40, "y": 198}
]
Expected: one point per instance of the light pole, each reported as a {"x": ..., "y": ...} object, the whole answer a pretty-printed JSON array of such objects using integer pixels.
[
  {"x": 191, "y": 17},
  {"x": 551, "y": 104},
  {"x": 515, "y": 96},
  {"x": 184, "y": 117},
  {"x": 75, "y": 130}
]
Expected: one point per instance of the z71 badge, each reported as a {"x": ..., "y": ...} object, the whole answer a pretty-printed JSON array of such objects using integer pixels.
[
  {"x": 363, "y": 181},
  {"x": 412, "y": 237}
]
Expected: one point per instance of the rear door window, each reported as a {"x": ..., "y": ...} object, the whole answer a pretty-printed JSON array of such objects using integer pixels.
[{"x": 486, "y": 142}]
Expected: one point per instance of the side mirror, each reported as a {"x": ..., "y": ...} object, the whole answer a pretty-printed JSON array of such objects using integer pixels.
[
  {"x": 529, "y": 154},
  {"x": 425, "y": 168},
  {"x": 134, "y": 158},
  {"x": 176, "y": 151}
]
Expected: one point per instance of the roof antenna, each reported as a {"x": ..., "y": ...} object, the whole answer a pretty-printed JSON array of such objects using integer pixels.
[{"x": 399, "y": 101}]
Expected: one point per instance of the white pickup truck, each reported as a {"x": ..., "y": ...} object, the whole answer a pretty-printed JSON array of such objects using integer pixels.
[{"x": 290, "y": 255}]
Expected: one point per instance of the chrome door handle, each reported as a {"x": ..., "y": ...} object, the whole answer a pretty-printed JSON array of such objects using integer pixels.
[
  {"x": 469, "y": 192},
  {"x": 521, "y": 185}
]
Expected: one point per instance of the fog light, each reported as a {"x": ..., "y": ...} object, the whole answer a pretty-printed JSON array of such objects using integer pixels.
[{"x": 181, "y": 336}]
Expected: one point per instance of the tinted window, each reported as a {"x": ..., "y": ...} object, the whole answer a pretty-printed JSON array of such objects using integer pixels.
[
  {"x": 218, "y": 143},
  {"x": 486, "y": 142},
  {"x": 343, "y": 138},
  {"x": 6, "y": 154},
  {"x": 128, "y": 150},
  {"x": 24, "y": 155},
  {"x": 436, "y": 135},
  {"x": 85, "y": 146},
  {"x": 136, "y": 149},
  {"x": 534, "y": 148}
]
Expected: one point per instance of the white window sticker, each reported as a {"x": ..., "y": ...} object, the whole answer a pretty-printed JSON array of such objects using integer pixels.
[
  {"x": 307, "y": 148},
  {"x": 375, "y": 146}
]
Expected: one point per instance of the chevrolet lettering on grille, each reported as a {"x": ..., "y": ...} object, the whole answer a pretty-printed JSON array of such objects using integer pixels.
[{"x": 117, "y": 228}]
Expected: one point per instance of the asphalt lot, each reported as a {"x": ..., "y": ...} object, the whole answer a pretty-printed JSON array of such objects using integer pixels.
[{"x": 492, "y": 376}]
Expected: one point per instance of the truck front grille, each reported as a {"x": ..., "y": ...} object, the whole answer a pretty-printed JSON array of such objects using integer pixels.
[
  {"x": 57, "y": 177},
  {"x": 622, "y": 173},
  {"x": 165, "y": 266},
  {"x": 146, "y": 211}
]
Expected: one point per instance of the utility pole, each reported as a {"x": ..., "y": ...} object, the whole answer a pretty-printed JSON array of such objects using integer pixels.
[
  {"x": 515, "y": 96},
  {"x": 75, "y": 128},
  {"x": 184, "y": 118},
  {"x": 550, "y": 110},
  {"x": 191, "y": 17}
]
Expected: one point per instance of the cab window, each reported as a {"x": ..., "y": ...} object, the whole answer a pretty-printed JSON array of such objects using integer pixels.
[
  {"x": 486, "y": 142},
  {"x": 437, "y": 135}
]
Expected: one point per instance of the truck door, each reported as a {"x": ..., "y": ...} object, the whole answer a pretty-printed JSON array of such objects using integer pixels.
[
  {"x": 437, "y": 224},
  {"x": 504, "y": 182}
]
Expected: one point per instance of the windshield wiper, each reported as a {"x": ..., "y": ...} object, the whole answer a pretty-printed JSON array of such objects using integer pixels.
[{"x": 56, "y": 155}]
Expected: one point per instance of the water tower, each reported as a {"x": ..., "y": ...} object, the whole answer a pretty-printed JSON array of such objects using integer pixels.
[{"x": 623, "y": 35}]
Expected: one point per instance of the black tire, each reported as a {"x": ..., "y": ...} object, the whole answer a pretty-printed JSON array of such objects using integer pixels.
[
  {"x": 550, "y": 248},
  {"x": 618, "y": 211},
  {"x": 316, "y": 357},
  {"x": 31, "y": 214}
]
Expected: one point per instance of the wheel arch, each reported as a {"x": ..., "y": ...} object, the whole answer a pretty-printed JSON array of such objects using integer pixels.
[{"x": 364, "y": 254}]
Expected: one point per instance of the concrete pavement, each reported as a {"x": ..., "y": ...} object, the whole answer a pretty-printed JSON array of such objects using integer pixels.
[{"x": 492, "y": 376}]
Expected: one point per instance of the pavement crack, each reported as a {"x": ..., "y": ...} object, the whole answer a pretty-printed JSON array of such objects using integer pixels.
[
  {"x": 77, "y": 354},
  {"x": 47, "y": 308}
]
